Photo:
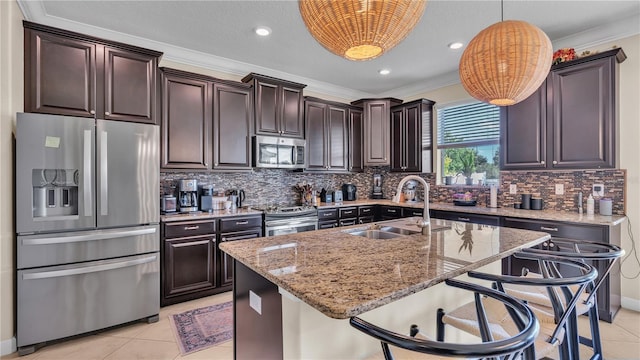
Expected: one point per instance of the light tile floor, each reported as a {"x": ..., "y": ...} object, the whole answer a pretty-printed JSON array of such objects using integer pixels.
[{"x": 157, "y": 342}]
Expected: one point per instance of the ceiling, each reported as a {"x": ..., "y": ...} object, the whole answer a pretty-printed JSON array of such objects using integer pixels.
[{"x": 219, "y": 35}]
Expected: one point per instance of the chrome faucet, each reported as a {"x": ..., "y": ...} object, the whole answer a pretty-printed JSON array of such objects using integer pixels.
[{"x": 425, "y": 224}]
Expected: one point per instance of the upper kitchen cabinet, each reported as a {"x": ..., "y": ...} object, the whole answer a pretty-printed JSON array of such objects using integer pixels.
[
  {"x": 355, "y": 140},
  {"x": 232, "y": 125},
  {"x": 67, "y": 73},
  {"x": 571, "y": 122},
  {"x": 187, "y": 102},
  {"x": 327, "y": 139},
  {"x": 407, "y": 121},
  {"x": 278, "y": 106},
  {"x": 376, "y": 130}
]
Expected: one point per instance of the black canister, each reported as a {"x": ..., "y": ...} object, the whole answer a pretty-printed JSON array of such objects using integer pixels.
[
  {"x": 526, "y": 201},
  {"x": 536, "y": 204}
]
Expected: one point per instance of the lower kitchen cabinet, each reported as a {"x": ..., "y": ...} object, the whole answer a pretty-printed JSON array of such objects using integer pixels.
[
  {"x": 390, "y": 212},
  {"x": 232, "y": 229},
  {"x": 189, "y": 261},
  {"x": 466, "y": 217},
  {"x": 327, "y": 218},
  {"x": 608, "y": 297},
  {"x": 409, "y": 212}
]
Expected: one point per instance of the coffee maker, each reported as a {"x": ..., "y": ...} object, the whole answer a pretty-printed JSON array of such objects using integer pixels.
[
  {"x": 349, "y": 192},
  {"x": 188, "y": 195},
  {"x": 377, "y": 187}
]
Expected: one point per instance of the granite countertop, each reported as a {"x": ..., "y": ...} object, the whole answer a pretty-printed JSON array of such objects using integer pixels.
[
  {"x": 209, "y": 215},
  {"x": 550, "y": 215},
  {"x": 344, "y": 275}
]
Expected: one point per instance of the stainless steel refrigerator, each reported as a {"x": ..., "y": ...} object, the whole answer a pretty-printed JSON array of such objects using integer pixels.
[{"x": 87, "y": 223}]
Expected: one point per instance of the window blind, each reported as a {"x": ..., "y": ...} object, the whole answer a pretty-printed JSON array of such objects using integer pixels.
[{"x": 469, "y": 124}]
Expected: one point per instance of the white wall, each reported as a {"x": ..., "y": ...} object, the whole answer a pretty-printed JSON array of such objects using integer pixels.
[{"x": 11, "y": 99}]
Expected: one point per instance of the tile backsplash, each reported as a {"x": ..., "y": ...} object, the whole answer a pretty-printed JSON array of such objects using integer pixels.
[{"x": 264, "y": 186}]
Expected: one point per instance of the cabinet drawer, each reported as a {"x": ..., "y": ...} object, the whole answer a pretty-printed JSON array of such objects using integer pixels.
[
  {"x": 366, "y": 211},
  {"x": 348, "y": 222},
  {"x": 365, "y": 219},
  {"x": 189, "y": 228},
  {"x": 390, "y": 212},
  {"x": 327, "y": 224},
  {"x": 555, "y": 229},
  {"x": 327, "y": 214},
  {"x": 465, "y": 217},
  {"x": 240, "y": 223},
  {"x": 409, "y": 212},
  {"x": 348, "y": 212}
]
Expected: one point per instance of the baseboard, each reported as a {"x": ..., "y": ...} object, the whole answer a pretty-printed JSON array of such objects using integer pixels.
[
  {"x": 630, "y": 303},
  {"x": 8, "y": 346}
]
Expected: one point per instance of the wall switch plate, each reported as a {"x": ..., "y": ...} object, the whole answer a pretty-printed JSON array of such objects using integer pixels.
[
  {"x": 598, "y": 190},
  {"x": 513, "y": 189},
  {"x": 559, "y": 189}
]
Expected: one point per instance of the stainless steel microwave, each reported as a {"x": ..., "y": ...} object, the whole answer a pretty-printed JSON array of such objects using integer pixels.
[{"x": 278, "y": 152}]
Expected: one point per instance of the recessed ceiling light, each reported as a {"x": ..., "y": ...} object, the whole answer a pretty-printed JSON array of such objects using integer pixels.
[
  {"x": 384, "y": 72},
  {"x": 263, "y": 31},
  {"x": 455, "y": 45}
]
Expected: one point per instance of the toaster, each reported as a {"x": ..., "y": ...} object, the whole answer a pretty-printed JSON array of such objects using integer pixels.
[{"x": 169, "y": 204}]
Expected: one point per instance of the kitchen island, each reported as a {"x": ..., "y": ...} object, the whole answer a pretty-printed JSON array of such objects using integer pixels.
[{"x": 294, "y": 293}]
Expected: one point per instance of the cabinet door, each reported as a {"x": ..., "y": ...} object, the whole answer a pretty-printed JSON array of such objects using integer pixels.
[
  {"x": 583, "y": 114},
  {"x": 266, "y": 110},
  {"x": 413, "y": 138},
  {"x": 232, "y": 119},
  {"x": 226, "y": 261},
  {"x": 130, "y": 86},
  {"x": 355, "y": 141},
  {"x": 190, "y": 265},
  {"x": 186, "y": 122},
  {"x": 60, "y": 75},
  {"x": 376, "y": 133},
  {"x": 336, "y": 151},
  {"x": 315, "y": 115},
  {"x": 523, "y": 131},
  {"x": 291, "y": 117},
  {"x": 397, "y": 140}
]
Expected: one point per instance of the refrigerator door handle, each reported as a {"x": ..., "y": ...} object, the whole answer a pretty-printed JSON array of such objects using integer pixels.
[
  {"x": 104, "y": 175},
  {"x": 87, "y": 174},
  {"x": 88, "y": 269},
  {"x": 105, "y": 234}
]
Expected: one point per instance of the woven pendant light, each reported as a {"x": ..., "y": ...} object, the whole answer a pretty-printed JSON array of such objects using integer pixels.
[
  {"x": 360, "y": 29},
  {"x": 506, "y": 62}
]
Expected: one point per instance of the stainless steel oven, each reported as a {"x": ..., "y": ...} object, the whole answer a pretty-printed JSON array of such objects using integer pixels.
[{"x": 283, "y": 220}]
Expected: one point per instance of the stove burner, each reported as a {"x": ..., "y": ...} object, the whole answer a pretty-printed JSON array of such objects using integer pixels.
[{"x": 286, "y": 210}]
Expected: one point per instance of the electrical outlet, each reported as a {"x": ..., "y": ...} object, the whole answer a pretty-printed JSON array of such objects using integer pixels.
[
  {"x": 513, "y": 189},
  {"x": 559, "y": 189},
  {"x": 598, "y": 190}
]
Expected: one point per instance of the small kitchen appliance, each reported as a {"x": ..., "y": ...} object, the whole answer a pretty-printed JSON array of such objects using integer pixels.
[
  {"x": 168, "y": 204},
  {"x": 377, "y": 187},
  {"x": 206, "y": 197},
  {"x": 337, "y": 196},
  {"x": 188, "y": 195},
  {"x": 349, "y": 192},
  {"x": 410, "y": 192}
]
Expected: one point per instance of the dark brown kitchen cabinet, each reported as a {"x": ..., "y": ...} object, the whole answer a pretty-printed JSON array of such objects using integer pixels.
[
  {"x": 571, "y": 122},
  {"x": 608, "y": 296},
  {"x": 390, "y": 212},
  {"x": 189, "y": 261},
  {"x": 232, "y": 126},
  {"x": 466, "y": 217},
  {"x": 327, "y": 141},
  {"x": 376, "y": 129},
  {"x": 278, "y": 106},
  {"x": 327, "y": 218},
  {"x": 186, "y": 120},
  {"x": 232, "y": 229},
  {"x": 406, "y": 134},
  {"x": 67, "y": 73},
  {"x": 355, "y": 140}
]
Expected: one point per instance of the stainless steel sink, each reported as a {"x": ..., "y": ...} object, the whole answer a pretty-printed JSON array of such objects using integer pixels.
[
  {"x": 373, "y": 234},
  {"x": 400, "y": 231}
]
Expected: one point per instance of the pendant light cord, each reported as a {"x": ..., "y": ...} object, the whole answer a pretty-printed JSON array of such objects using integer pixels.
[{"x": 501, "y": 10}]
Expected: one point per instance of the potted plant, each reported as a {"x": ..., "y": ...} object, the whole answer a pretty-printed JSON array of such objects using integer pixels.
[
  {"x": 467, "y": 160},
  {"x": 448, "y": 172}
]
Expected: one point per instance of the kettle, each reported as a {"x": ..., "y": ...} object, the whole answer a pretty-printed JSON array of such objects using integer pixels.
[{"x": 239, "y": 196}]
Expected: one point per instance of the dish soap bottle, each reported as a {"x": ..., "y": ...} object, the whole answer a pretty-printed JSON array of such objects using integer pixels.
[{"x": 590, "y": 205}]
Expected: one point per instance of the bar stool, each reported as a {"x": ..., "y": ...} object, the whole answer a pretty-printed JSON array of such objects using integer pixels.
[
  {"x": 602, "y": 256},
  {"x": 514, "y": 345},
  {"x": 564, "y": 293}
]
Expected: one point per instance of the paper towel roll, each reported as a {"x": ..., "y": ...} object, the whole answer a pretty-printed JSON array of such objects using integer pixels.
[{"x": 493, "y": 197}]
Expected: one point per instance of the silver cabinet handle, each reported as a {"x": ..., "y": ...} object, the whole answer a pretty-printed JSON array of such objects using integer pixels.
[
  {"x": 92, "y": 112},
  {"x": 87, "y": 174},
  {"x": 464, "y": 219},
  {"x": 327, "y": 214},
  {"x": 104, "y": 174},
  {"x": 107, "y": 113},
  {"x": 542, "y": 162},
  {"x": 554, "y": 162},
  {"x": 195, "y": 227},
  {"x": 88, "y": 269},
  {"x": 242, "y": 222},
  {"x": 100, "y": 235},
  {"x": 548, "y": 228},
  {"x": 391, "y": 211}
]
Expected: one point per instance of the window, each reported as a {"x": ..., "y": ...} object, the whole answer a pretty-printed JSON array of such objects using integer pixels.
[{"x": 469, "y": 143}]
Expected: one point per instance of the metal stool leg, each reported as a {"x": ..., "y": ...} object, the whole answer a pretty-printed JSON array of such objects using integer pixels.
[{"x": 439, "y": 325}]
